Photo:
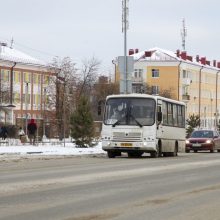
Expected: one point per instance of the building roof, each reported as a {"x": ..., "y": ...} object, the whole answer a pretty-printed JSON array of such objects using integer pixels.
[
  {"x": 155, "y": 54},
  {"x": 158, "y": 54},
  {"x": 13, "y": 55}
]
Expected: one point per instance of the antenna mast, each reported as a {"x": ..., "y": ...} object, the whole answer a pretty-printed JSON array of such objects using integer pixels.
[
  {"x": 183, "y": 35},
  {"x": 12, "y": 41}
]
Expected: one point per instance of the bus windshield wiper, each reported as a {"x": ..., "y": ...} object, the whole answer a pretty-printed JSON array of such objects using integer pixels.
[
  {"x": 132, "y": 116},
  {"x": 138, "y": 123},
  {"x": 118, "y": 121}
]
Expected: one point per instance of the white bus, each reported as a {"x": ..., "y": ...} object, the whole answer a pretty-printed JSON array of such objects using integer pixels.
[{"x": 139, "y": 123}]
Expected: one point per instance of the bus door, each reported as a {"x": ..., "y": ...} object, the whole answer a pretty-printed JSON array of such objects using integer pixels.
[{"x": 159, "y": 119}]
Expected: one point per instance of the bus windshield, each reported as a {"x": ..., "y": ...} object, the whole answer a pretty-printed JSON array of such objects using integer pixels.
[{"x": 130, "y": 111}]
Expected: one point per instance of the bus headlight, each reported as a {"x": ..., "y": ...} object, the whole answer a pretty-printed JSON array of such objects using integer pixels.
[
  {"x": 187, "y": 141},
  {"x": 145, "y": 144}
]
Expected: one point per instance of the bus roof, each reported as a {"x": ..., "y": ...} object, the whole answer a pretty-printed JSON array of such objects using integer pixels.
[{"x": 138, "y": 95}]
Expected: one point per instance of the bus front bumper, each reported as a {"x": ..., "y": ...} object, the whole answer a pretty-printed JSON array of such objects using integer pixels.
[{"x": 129, "y": 146}]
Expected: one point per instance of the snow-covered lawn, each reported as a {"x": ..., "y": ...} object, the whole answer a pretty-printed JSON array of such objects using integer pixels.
[{"x": 15, "y": 147}]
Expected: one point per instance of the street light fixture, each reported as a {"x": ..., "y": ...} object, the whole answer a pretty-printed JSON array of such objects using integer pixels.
[{"x": 4, "y": 107}]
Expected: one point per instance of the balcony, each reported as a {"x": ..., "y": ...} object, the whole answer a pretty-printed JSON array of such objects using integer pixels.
[
  {"x": 137, "y": 80},
  {"x": 185, "y": 97},
  {"x": 186, "y": 81}
]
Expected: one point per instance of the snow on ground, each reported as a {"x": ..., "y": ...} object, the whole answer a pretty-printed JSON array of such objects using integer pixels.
[{"x": 14, "y": 147}]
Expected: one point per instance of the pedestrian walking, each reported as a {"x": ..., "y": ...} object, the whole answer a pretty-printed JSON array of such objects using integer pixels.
[
  {"x": 4, "y": 132},
  {"x": 21, "y": 133},
  {"x": 32, "y": 128}
]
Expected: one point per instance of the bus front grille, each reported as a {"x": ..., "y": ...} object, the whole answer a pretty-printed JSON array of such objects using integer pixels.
[{"x": 127, "y": 136}]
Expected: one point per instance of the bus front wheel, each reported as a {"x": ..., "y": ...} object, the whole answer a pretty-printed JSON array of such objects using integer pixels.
[
  {"x": 111, "y": 154},
  {"x": 156, "y": 153}
]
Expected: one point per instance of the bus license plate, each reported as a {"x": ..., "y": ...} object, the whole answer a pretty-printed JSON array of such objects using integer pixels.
[{"x": 126, "y": 144}]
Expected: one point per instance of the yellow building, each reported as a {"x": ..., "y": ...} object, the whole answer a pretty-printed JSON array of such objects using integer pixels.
[{"x": 194, "y": 80}]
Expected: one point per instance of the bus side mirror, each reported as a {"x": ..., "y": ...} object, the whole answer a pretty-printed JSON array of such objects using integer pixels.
[{"x": 159, "y": 116}]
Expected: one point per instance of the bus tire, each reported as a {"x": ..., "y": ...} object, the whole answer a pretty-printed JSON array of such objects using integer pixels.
[
  {"x": 165, "y": 154},
  {"x": 158, "y": 152},
  {"x": 111, "y": 154},
  {"x": 175, "y": 151},
  {"x": 159, "y": 149},
  {"x": 155, "y": 154}
]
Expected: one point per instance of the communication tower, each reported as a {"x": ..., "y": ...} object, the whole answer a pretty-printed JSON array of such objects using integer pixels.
[{"x": 183, "y": 35}]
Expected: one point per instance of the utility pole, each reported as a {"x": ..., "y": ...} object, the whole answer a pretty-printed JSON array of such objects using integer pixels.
[{"x": 125, "y": 26}]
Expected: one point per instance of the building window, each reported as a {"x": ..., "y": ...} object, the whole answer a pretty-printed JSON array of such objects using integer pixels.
[
  {"x": 26, "y": 77},
  {"x": 155, "y": 90},
  {"x": 46, "y": 80},
  {"x": 5, "y": 75},
  {"x": 17, "y": 76},
  {"x": 138, "y": 73},
  {"x": 155, "y": 73},
  {"x": 16, "y": 97},
  {"x": 184, "y": 74},
  {"x": 35, "y": 78}
]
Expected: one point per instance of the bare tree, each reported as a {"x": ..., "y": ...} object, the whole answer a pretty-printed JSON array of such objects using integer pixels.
[
  {"x": 102, "y": 88},
  {"x": 89, "y": 75},
  {"x": 62, "y": 89},
  {"x": 148, "y": 89},
  {"x": 4, "y": 92}
]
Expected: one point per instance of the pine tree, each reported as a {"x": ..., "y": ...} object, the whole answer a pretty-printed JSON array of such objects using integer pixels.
[
  {"x": 192, "y": 122},
  {"x": 81, "y": 122}
]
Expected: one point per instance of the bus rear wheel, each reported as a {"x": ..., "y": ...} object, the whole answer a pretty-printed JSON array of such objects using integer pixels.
[{"x": 175, "y": 152}]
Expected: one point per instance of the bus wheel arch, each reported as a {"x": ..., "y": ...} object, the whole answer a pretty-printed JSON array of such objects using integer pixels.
[{"x": 157, "y": 152}]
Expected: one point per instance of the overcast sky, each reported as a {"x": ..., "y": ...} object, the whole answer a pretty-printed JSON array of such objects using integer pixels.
[{"x": 82, "y": 29}]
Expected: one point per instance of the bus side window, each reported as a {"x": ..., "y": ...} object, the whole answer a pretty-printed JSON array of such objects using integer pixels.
[{"x": 164, "y": 111}]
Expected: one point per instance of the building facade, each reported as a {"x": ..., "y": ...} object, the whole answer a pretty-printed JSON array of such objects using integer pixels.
[
  {"x": 23, "y": 83},
  {"x": 194, "y": 80}
]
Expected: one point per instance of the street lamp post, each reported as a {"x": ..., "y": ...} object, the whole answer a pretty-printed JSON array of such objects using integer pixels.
[
  {"x": 64, "y": 113},
  {"x": 26, "y": 106},
  {"x": 44, "y": 130}
]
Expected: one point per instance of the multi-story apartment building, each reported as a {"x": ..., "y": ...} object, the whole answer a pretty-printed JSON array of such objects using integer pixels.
[
  {"x": 194, "y": 80},
  {"x": 23, "y": 80}
]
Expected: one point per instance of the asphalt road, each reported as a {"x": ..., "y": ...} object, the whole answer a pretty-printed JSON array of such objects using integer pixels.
[{"x": 98, "y": 188}]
